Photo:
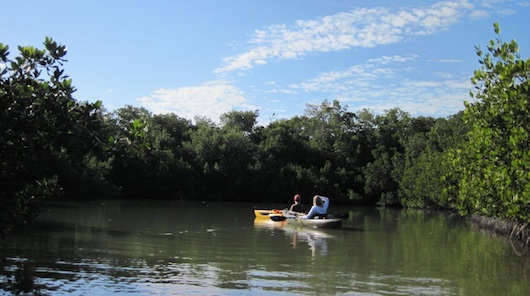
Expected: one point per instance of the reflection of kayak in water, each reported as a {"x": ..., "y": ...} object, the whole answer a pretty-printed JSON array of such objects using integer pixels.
[
  {"x": 291, "y": 228},
  {"x": 312, "y": 232},
  {"x": 267, "y": 223},
  {"x": 314, "y": 238}
]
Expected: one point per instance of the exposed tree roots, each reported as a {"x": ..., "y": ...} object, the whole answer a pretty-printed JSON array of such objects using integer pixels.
[{"x": 517, "y": 233}]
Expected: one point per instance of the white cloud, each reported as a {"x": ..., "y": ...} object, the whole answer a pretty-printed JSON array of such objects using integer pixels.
[
  {"x": 396, "y": 58},
  {"x": 356, "y": 76},
  {"x": 427, "y": 98},
  {"x": 506, "y": 12},
  {"x": 450, "y": 61},
  {"x": 336, "y": 81},
  {"x": 207, "y": 100},
  {"x": 281, "y": 91},
  {"x": 443, "y": 75},
  {"x": 424, "y": 97},
  {"x": 478, "y": 14},
  {"x": 384, "y": 83},
  {"x": 357, "y": 28}
]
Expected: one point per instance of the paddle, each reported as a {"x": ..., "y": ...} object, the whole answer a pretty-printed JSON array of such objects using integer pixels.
[
  {"x": 342, "y": 216},
  {"x": 278, "y": 218}
]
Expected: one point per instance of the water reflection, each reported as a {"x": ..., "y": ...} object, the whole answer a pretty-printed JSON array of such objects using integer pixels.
[
  {"x": 22, "y": 282},
  {"x": 314, "y": 239},
  {"x": 268, "y": 224},
  {"x": 182, "y": 248}
]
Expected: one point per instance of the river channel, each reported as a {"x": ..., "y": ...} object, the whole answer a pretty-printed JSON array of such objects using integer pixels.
[{"x": 185, "y": 248}]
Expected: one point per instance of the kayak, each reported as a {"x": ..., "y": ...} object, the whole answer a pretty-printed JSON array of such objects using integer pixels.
[
  {"x": 315, "y": 223},
  {"x": 294, "y": 219},
  {"x": 266, "y": 214}
]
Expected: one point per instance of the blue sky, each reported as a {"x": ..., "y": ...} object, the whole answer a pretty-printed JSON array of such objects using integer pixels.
[{"x": 205, "y": 58}]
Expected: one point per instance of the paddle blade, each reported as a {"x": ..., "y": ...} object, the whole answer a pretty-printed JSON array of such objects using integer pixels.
[
  {"x": 342, "y": 216},
  {"x": 277, "y": 218}
]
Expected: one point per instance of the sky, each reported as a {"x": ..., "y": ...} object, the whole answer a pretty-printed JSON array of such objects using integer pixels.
[{"x": 208, "y": 57}]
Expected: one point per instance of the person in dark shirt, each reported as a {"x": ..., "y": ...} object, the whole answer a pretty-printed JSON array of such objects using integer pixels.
[{"x": 297, "y": 205}]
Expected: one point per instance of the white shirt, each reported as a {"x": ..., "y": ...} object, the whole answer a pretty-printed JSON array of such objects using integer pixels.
[{"x": 316, "y": 210}]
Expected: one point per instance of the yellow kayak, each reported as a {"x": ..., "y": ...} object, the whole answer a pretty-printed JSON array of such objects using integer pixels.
[
  {"x": 294, "y": 218},
  {"x": 266, "y": 214}
]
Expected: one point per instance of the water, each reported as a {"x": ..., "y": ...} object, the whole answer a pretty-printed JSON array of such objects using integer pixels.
[{"x": 179, "y": 248}]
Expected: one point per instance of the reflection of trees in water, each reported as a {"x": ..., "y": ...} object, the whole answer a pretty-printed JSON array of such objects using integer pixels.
[{"x": 22, "y": 280}]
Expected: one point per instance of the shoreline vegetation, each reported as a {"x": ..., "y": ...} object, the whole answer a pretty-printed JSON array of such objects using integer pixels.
[{"x": 476, "y": 162}]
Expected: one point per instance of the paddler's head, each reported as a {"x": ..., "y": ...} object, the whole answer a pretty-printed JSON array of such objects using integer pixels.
[{"x": 297, "y": 198}]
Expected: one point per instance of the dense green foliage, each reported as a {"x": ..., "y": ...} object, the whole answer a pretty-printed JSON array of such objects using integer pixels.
[
  {"x": 493, "y": 167},
  {"x": 477, "y": 161},
  {"x": 47, "y": 139}
]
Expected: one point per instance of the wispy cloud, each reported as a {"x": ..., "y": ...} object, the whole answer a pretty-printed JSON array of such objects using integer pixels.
[
  {"x": 478, "y": 14},
  {"x": 357, "y": 28},
  {"x": 395, "y": 58},
  {"x": 428, "y": 97},
  {"x": 207, "y": 100},
  {"x": 384, "y": 83},
  {"x": 355, "y": 76}
]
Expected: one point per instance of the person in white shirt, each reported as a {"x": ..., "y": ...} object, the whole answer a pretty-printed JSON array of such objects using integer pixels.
[{"x": 320, "y": 207}]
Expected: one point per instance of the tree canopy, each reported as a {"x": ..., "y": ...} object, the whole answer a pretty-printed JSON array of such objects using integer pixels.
[
  {"x": 46, "y": 136},
  {"x": 493, "y": 166}
]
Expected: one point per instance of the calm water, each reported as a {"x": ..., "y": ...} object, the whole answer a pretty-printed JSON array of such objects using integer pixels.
[{"x": 178, "y": 248}]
